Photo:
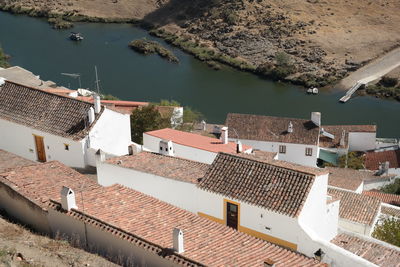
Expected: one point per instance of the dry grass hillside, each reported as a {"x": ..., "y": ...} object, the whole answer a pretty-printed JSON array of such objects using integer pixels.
[{"x": 306, "y": 41}]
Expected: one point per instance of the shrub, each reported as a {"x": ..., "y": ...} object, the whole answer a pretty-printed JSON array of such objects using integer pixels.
[
  {"x": 3, "y": 59},
  {"x": 109, "y": 97},
  {"x": 393, "y": 188},
  {"x": 388, "y": 81},
  {"x": 355, "y": 160},
  {"x": 389, "y": 231}
]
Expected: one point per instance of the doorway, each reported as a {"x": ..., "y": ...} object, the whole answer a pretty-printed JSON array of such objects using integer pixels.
[
  {"x": 232, "y": 215},
  {"x": 40, "y": 151}
]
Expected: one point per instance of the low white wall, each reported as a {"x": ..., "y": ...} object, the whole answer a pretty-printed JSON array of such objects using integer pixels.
[
  {"x": 111, "y": 133},
  {"x": 178, "y": 193},
  {"x": 295, "y": 153},
  {"x": 359, "y": 141},
  {"x": 23, "y": 210},
  {"x": 355, "y": 227},
  {"x": 19, "y": 140},
  {"x": 102, "y": 242},
  {"x": 153, "y": 144},
  {"x": 378, "y": 183}
]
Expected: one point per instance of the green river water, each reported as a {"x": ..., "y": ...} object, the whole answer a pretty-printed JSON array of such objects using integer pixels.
[{"x": 34, "y": 45}]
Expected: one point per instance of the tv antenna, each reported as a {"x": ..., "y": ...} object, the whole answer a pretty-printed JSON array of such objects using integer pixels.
[
  {"x": 74, "y": 75},
  {"x": 97, "y": 81}
]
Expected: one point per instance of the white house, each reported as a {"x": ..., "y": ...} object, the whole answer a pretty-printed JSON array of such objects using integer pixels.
[
  {"x": 385, "y": 161},
  {"x": 296, "y": 140},
  {"x": 42, "y": 126},
  {"x": 189, "y": 145}
]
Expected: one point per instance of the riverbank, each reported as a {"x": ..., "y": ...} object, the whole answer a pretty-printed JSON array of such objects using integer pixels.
[
  {"x": 323, "y": 41},
  {"x": 3, "y": 59}
]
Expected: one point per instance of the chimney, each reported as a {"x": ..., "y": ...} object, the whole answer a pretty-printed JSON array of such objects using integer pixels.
[
  {"x": 166, "y": 148},
  {"x": 68, "y": 199},
  {"x": 316, "y": 118},
  {"x": 204, "y": 125},
  {"x": 2, "y": 81},
  {"x": 239, "y": 147},
  {"x": 290, "y": 127},
  {"x": 224, "y": 135},
  {"x": 97, "y": 104},
  {"x": 91, "y": 115},
  {"x": 133, "y": 149},
  {"x": 342, "y": 141},
  {"x": 177, "y": 237},
  {"x": 100, "y": 155}
]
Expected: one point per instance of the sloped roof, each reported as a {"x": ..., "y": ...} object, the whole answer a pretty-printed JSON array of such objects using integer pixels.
[
  {"x": 373, "y": 159},
  {"x": 206, "y": 242},
  {"x": 350, "y": 179},
  {"x": 356, "y": 207},
  {"x": 375, "y": 252},
  {"x": 275, "y": 188},
  {"x": 384, "y": 197},
  {"x": 165, "y": 166},
  {"x": 51, "y": 113},
  {"x": 337, "y": 131},
  {"x": 390, "y": 211},
  {"x": 195, "y": 140},
  {"x": 40, "y": 183},
  {"x": 10, "y": 161},
  {"x": 273, "y": 129}
]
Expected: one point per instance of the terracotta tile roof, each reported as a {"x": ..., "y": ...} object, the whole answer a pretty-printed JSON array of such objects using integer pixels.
[
  {"x": 373, "y": 159},
  {"x": 375, "y": 252},
  {"x": 273, "y": 129},
  {"x": 275, "y": 188},
  {"x": 165, "y": 166},
  {"x": 384, "y": 197},
  {"x": 44, "y": 111},
  {"x": 390, "y": 211},
  {"x": 337, "y": 131},
  {"x": 39, "y": 183},
  {"x": 195, "y": 140},
  {"x": 10, "y": 161},
  {"x": 356, "y": 207},
  {"x": 349, "y": 179},
  {"x": 205, "y": 242}
]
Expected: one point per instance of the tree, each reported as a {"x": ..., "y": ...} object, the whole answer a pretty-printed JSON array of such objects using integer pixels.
[
  {"x": 146, "y": 119},
  {"x": 389, "y": 231},
  {"x": 393, "y": 188}
]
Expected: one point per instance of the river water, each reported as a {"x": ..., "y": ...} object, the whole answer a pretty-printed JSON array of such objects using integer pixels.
[{"x": 34, "y": 45}]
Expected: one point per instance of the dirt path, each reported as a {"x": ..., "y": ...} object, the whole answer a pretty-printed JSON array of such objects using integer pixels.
[
  {"x": 373, "y": 70},
  {"x": 20, "y": 247}
]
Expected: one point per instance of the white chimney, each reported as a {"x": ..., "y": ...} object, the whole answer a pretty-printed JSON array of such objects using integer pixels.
[
  {"x": 342, "y": 137},
  {"x": 224, "y": 135},
  {"x": 2, "y": 81},
  {"x": 97, "y": 104},
  {"x": 91, "y": 115},
  {"x": 290, "y": 127},
  {"x": 316, "y": 118},
  {"x": 100, "y": 155},
  {"x": 239, "y": 147},
  {"x": 166, "y": 148},
  {"x": 204, "y": 125},
  {"x": 67, "y": 199},
  {"x": 177, "y": 238}
]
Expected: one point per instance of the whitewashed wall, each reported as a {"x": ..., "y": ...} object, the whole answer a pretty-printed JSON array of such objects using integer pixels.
[
  {"x": 295, "y": 153},
  {"x": 153, "y": 144},
  {"x": 362, "y": 141},
  {"x": 376, "y": 184},
  {"x": 111, "y": 133},
  {"x": 355, "y": 227},
  {"x": 178, "y": 193},
  {"x": 19, "y": 140}
]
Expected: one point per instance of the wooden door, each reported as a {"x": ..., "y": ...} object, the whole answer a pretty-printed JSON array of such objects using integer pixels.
[
  {"x": 41, "y": 153},
  {"x": 232, "y": 215}
]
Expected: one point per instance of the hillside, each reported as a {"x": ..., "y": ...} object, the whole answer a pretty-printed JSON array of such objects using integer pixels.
[{"x": 311, "y": 42}]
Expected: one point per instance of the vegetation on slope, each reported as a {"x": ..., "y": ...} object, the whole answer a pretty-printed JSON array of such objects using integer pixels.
[
  {"x": 151, "y": 47},
  {"x": 387, "y": 87},
  {"x": 3, "y": 59}
]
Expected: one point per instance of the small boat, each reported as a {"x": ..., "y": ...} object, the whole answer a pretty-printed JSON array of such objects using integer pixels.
[
  {"x": 76, "y": 36},
  {"x": 312, "y": 90}
]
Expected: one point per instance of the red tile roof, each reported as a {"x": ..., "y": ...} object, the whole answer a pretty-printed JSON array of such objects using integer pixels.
[
  {"x": 165, "y": 166},
  {"x": 356, "y": 207},
  {"x": 51, "y": 113},
  {"x": 337, "y": 131},
  {"x": 375, "y": 252},
  {"x": 373, "y": 159},
  {"x": 272, "y": 187},
  {"x": 390, "y": 211},
  {"x": 10, "y": 161},
  {"x": 386, "y": 198},
  {"x": 148, "y": 222},
  {"x": 273, "y": 129},
  {"x": 42, "y": 182},
  {"x": 349, "y": 179},
  {"x": 195, "y": 140},
  {"x": 205, "y": 242}
]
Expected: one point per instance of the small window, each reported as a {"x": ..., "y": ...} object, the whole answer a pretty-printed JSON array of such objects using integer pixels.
[
  {"x": 308, "y": 151},
  {"x": 282, "y": 149},
  {"x": 160, "y": 148},
  {"x": 66, "y": 146}
]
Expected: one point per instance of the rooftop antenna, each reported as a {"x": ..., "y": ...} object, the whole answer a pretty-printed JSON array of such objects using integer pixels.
[
  {"x": 97, "y": 81},
  {"x": 74, "y": 75}
]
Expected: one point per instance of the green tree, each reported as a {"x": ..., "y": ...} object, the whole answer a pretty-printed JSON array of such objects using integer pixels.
[
  {"x": 146, "y": 119},
  {"x": 393, "y": 188},
  {"x": 389, "y": 231}
]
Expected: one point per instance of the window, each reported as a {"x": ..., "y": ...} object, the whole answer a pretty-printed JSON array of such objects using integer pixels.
[
  {"x": 308, "y": 151},
  {"x": 66, "y": 146},
  {"x": 282, "y": 149}
]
